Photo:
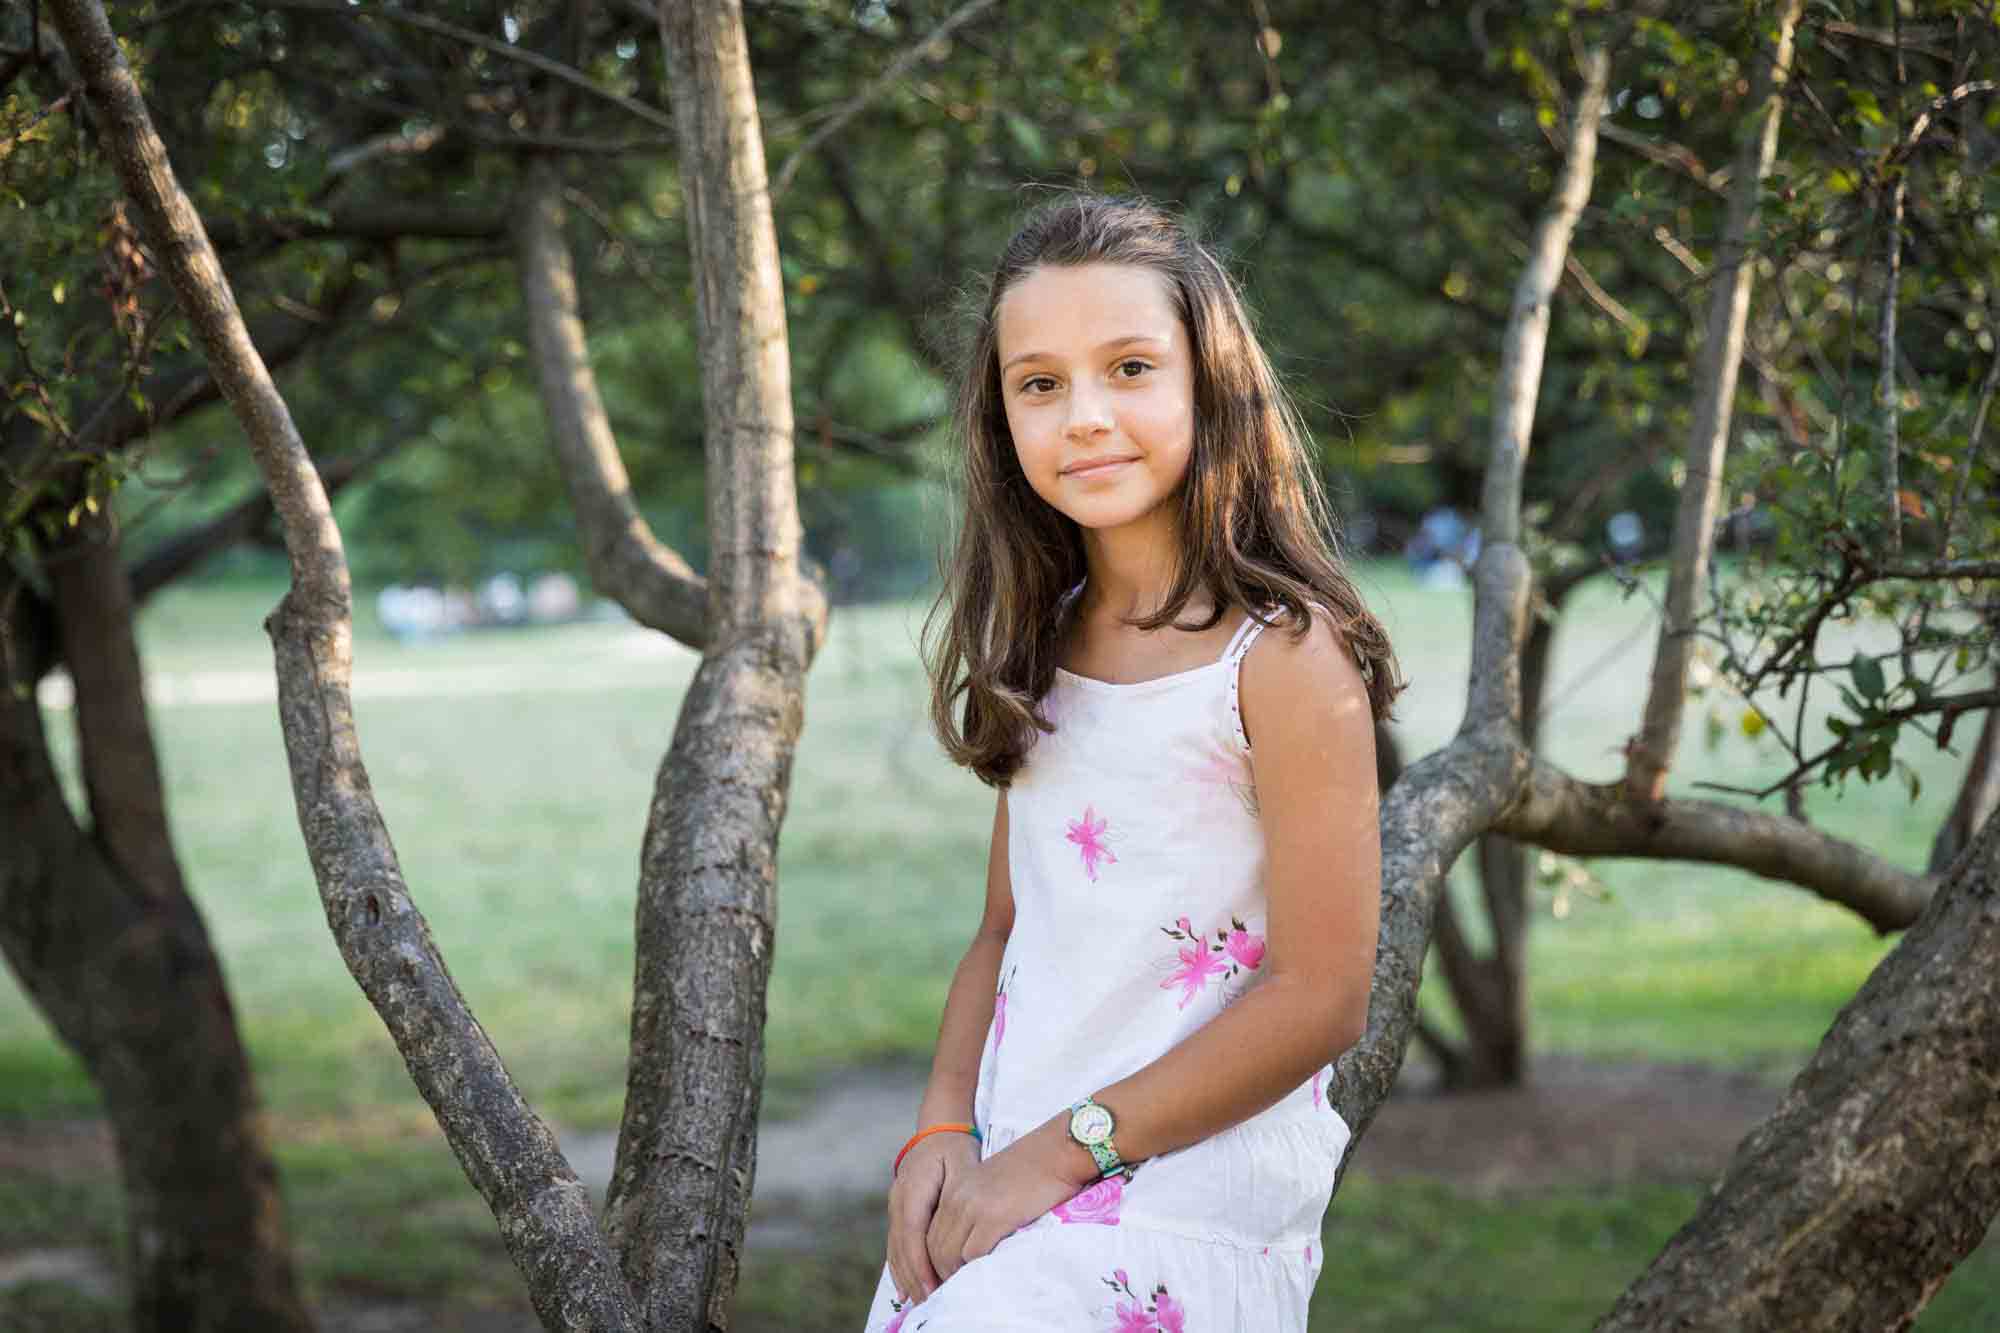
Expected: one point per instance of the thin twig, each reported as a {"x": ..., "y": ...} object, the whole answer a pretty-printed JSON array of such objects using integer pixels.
[
  {"x": 555, "y": 69},
  {"x": 7, "y": 144},
  {"x": 1944, "y": 103},
  {"x": 1978, "y": 430},
  {"x": 854, "y": 105},
  {"x": 1887, "y": 398},
  {"x": 1604, "y": 300}
]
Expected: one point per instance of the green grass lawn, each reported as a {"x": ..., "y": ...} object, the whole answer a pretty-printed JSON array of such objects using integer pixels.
[{"x": 515, "y": 768}]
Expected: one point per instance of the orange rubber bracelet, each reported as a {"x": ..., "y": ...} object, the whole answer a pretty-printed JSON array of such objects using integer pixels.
[{"x": 926, "y": 1133}]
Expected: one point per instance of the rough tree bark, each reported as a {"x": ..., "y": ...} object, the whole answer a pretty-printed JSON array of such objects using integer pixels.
[
  {"x": 1490, "y": 991},
  {"x": 707, "y": 914},
  {"x": 507, "y": 1152},
  {"x": 626, "y": 561},
  {"x": 707, "y": 890},
  {"x": 1651, "y": 752},
  {"x": 100, "y": 929},
  {"x": 1447, "y": 799},
  {"x": 706, "y": 909},
  {"x": 1880, "y": 1170},
  {"x": 1978, "y": 797},
  {"x": 1852, "y": 1205}
]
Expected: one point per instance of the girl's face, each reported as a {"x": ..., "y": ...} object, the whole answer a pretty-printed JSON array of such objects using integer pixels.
[{"x": 1097, "y": 377}]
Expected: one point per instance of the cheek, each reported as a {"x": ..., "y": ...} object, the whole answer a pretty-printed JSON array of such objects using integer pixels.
[
  {"x": 1031, "y": 446},
  {"x": 1168, "y": 425}
]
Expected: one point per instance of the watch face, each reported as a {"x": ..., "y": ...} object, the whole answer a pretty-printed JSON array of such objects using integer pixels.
[{"x": 1091, "y": 1124}]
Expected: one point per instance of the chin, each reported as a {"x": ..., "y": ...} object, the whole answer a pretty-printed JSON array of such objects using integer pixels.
[{"x": 1105, "y": 518}]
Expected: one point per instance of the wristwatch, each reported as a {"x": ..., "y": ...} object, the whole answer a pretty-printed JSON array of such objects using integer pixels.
[{"x": 1090, "y": 1125}]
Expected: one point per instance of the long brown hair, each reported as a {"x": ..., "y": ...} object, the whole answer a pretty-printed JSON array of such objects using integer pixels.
[{"x": 1253, "y": 521}]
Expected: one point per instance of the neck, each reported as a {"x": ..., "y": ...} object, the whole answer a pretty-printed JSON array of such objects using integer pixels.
[{"x": 1131, "y": 568}]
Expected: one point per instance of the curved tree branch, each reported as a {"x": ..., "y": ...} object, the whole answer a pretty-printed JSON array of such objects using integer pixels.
[
  {"x": 415, "y": 18},
  {"x": 1651, "y": 751},
  {"x": 1577, "y": 818},
  {"x": 185, "y": 551},
  {"x": 900, "y": 66},
  {"x": 707, "y": 914},
  {"x": 510, "y": 1156},
  {"x": 1440, "y": 804},
  {"x": 1886, "y": 1149},
  {"x": 1502, "y": 575},
  {"x": 392, "y": 220},
  {"x": 627, "y": 562}
]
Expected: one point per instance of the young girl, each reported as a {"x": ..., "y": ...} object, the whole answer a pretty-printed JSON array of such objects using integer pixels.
[{"x": 1179, "y": 935}]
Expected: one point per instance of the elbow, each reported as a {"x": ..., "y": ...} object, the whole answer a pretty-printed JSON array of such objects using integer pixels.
[
  {"x": 1347, "y": 1034},
  {"x": 1349, "y": 1023},
  {"x": 1334, "y": 1013}
]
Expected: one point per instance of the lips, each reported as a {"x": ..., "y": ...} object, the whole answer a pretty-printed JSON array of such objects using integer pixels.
[{"x": 1094, "y": 466}]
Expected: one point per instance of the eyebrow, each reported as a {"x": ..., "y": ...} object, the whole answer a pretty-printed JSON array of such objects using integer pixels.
[{"x": 1113, "y": 345}]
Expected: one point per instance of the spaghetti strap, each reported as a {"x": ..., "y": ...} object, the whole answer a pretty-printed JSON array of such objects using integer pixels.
[
  {"x": 1239, "y": 647},
  {"x": 1239, "y": 642}
]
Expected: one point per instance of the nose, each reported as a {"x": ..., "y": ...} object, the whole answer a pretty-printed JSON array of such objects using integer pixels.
[{"x": 1089, "y": 414}]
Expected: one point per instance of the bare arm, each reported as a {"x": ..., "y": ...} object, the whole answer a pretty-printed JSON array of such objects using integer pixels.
[
  {"x": 1314, "y": 760},
  {"x": 968, "y": 1006},
  {"x": 968, "y": 1013}
]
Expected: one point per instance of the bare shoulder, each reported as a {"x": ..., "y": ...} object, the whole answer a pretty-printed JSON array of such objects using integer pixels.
[{"x": 1310, "y": 680}]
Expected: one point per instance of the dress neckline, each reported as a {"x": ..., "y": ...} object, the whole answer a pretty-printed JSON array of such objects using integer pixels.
[{"x": 1151, "y": 682}]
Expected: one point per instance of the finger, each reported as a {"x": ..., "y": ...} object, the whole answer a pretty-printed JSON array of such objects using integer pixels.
[
  {"x": 912, "y": 1266},
  {"x": 899, "y": 1275},
  {"x": 908, "y": 1229},
  {"x": 978, "y": 1245},
  {"x": 941, "y": 1245}
]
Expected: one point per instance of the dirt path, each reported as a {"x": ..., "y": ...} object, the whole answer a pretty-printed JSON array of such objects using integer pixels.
[{"x": 1577, "y": 1123}]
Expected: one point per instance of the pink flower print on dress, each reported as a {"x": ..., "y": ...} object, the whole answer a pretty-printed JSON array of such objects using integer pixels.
[
  {"x": 1222, "y": 770},
  {"x": 1088, "y": 834},
  {"x": 1318, "y": 1074},
  {"x": 1000, "y": 1009},
  {"x": 1098, "y": 1204},
  {"x": 1133, "y": 1318},
  {"x": 1198, "y": 964},
  {"x": 1235, "y": 949},
  {"x": 1163, "y": 1314},
  {"x": 1244, "y": 947}
]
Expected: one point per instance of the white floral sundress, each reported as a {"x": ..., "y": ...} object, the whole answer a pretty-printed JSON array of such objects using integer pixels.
[{"x": 1139, "y": 913}]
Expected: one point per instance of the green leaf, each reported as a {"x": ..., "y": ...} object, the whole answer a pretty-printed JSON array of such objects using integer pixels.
[
  {"x": 1867, "y": 673},
  {"x": 1911, "y": 779},
  {"x": 1026, "y": 134}
]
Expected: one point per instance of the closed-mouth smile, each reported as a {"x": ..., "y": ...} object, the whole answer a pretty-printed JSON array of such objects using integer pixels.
[{"x": 1096, "y": 465}]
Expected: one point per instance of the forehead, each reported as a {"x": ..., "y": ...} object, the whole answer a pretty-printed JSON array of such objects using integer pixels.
[{"x": 1070, "y": 310}]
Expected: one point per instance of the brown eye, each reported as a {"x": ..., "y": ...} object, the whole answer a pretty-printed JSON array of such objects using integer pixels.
[
  {"x": 1037, "y": 384},
  {"x": 1131, "y": 370}
]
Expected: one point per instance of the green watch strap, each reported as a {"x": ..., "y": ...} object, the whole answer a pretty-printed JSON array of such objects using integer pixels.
[{"x": 1091, "y": 1126}]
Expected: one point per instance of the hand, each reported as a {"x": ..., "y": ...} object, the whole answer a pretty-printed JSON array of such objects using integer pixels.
[
  {"x": 913, "y": 1197},
  {"x": 982, "y": 1206}
]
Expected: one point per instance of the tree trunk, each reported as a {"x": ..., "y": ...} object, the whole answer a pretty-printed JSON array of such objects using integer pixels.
[
  {"x": 1446, "y": 800},
  {"x": 707, "y": 914},
  {"x": 1651, "y": 752},
  {"x": 1491, "y": 992},
  {"x": 508, "y": 1153},
  {"x": 1880, "y": 1170},
  {"x": 101, "y": 932},
  {"x": 1978, "y": 797}
]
